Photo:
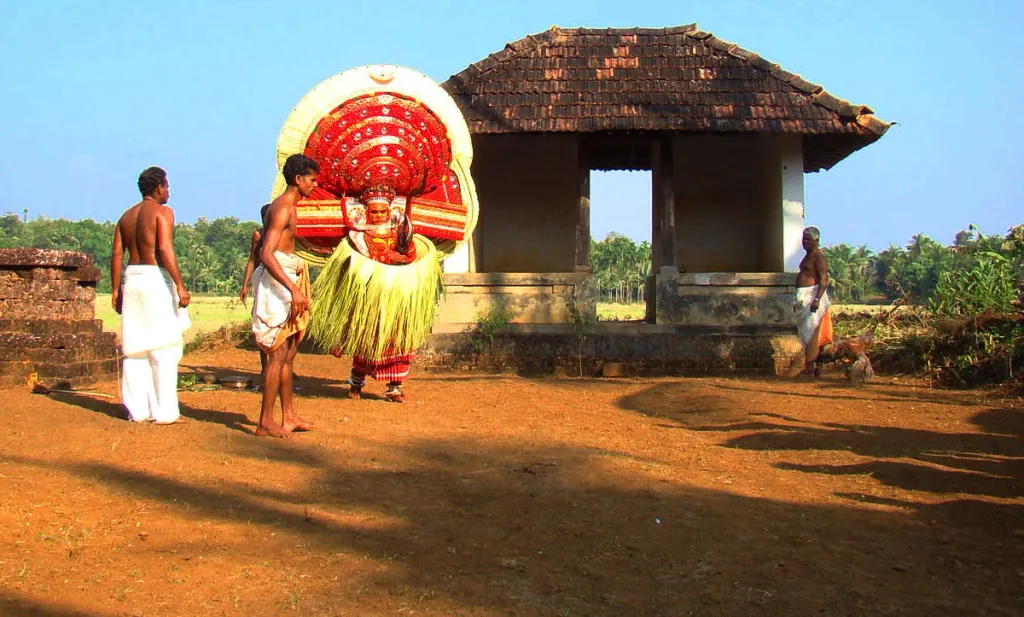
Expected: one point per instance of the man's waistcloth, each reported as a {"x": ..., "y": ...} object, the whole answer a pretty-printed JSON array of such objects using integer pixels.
[
  {"x": 807, "y": 322},
  {"x": 272, "y": 323},
  {"x": 150, "y": 316}
]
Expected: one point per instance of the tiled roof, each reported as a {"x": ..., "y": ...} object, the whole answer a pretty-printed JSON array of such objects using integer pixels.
[{"x": 677, "y": 79}]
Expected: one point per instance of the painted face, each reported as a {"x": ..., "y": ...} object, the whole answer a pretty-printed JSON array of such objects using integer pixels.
[
  {"x": 377, "y": 213},
  {"x": 306, "y": 184}
]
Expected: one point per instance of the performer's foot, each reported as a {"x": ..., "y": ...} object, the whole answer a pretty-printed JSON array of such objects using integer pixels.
[
  {"x": 355, "y": 392},
  {"x": 272, "y": 430},
  {"x": 395, "y": 396}
]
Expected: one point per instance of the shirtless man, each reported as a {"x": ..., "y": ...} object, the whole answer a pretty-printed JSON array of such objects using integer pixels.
[
  {"x": 281, "y": 301},
  {"x": 255, "y": 245},
  {"x": 149, "y": 302},
  {"x": 814, "y": 324}
]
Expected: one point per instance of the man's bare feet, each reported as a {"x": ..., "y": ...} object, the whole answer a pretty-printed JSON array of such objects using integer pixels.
[
  {"x": 395, "y": 397},
  {"x": 272, "y": 430},
  {"x": 295, "y": 422},
  {"x": 355, "y": 392},
  {"x": 178, "y": 420}
]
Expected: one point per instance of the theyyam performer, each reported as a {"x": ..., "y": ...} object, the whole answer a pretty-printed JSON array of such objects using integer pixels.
[{"x": 394, "y": 197}]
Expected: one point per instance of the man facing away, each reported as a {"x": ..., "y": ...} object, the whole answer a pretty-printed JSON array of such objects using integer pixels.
[
  {"x": 151, "y": 302},
  {"x": 814, "y": 324},
  {"x": 255, "y": 246},
  {"x": 280, "y": 311}
]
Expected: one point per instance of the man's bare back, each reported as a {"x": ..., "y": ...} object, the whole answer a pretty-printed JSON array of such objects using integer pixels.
[{"x": 146, "y": 232}]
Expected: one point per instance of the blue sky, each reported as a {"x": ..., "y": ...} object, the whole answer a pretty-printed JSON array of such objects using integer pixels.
[{"x": 93, "y": 92}]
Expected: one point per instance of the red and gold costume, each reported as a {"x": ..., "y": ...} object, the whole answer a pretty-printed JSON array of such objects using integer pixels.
[{"x": 394, "y": 197}]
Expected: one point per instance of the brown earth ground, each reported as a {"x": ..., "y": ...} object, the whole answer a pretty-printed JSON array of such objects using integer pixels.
[{"x": 504, "y": 495}]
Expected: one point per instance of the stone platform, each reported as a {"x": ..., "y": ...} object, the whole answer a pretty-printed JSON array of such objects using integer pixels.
[
  {"x": 47, "y": 320},
  {"x": 616, "y": 349}
]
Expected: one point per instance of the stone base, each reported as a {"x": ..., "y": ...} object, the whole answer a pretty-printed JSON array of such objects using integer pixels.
[
  {"x": 618, "y": 350},
  {"x": 47, "y": 320}
]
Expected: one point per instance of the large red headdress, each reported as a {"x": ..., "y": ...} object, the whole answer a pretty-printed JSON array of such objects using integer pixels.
[{"x": 382, "y": 126}]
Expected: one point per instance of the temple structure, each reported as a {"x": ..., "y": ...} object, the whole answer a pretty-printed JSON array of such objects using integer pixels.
[{"x": 726, "y": 134}]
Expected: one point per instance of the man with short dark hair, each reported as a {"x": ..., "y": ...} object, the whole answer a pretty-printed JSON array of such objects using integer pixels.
[
  {"x": 151, "y": 302},
  {"x": 280, "y": 311},
  {"x": 814, "y": 323}
]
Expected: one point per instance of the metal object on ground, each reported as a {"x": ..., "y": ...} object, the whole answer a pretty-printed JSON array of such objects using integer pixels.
[{"x": 236, "y": 382}]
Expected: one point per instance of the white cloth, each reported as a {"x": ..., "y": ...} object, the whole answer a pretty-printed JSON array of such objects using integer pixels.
[
  {"x": 272, "y": 301},
  {"x": 150, "y": 316},
  {"x": 807, "y": 322},
  {"x": 151, "y": 341},
  {"x": 149, "y": 385}
]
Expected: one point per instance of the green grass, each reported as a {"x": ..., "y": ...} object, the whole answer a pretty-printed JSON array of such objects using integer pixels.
[
  {"x": 208, "y": 313},
  {"x": 613, "y": 311}
]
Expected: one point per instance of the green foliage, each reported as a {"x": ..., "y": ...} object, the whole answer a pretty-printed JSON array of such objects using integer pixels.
[
  {"x": 620, "y": 267},
  {"x": 975, "y": 273},
  {"x": 581, "y": 326},
  {"x": 211, "y": 254},
  {"x": 987, "y": 286},
  {"x": 482, "y": 337}
]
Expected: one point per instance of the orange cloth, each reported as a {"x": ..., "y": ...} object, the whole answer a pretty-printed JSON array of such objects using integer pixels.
[{"x": 825, "y": 335}]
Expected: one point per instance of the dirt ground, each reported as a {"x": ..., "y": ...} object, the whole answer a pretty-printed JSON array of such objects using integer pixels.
[{"x": 505, "y": 495}]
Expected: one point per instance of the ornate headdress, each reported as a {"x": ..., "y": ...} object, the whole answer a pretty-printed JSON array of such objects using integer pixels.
[{"x": 380, "y": 193}]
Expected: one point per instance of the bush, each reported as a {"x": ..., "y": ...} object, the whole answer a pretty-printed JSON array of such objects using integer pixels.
[{"x": 988, "y": 286}]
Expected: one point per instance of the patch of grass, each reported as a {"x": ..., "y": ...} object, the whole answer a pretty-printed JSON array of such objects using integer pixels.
[
  {"x": 208, "y": 313},
  {"x": 613, "y": 311}
]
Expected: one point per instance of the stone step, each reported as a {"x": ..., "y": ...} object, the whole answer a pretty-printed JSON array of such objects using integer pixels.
[
  {"x": 59, "y": 355},
  {"x": 27, "y": 340},
  {"x": 47, "y": 309},
  {"x": 30, "y": 290},
  {"x": 16, "y": 372},
  {"x": 51, "y": 326}
]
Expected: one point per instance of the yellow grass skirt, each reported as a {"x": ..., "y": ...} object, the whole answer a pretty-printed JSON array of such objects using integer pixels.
[{"x": 366, "y": 308}]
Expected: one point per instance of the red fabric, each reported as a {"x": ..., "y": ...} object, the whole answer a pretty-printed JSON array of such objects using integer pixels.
[{"x": 390, "y": 368}]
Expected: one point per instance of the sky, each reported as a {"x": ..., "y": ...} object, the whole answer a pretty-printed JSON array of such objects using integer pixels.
[{"x": 94, "y": 92}]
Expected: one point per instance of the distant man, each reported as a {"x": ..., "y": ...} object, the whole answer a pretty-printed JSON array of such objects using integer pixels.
[
  {"x": 814, "y": 324},
  {"x": 280, "y": 311},
  {"x": 255, "y": 246},
  {"x": 151, "y": 303}
]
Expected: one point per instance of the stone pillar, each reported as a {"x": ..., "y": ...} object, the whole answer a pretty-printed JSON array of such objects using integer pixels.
[
  {"x": 47, "y": 320},
  {"x": 663, "y": 219},
  {"x": 583, "y": 225},
  {"x": 792, "y": 170}
]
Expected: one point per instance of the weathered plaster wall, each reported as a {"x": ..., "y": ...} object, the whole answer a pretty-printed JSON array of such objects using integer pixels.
[
  {"x": 528, "y": 186},
  {"x": 729, "y": 198},
  {"x": 528, "y": 298}
]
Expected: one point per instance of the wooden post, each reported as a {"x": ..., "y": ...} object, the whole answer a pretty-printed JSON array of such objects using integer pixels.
[{"x": 583, "y": 224}]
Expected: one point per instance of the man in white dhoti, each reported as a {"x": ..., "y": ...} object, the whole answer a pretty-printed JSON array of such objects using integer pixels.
[
  {"x": 280, "y": 310},
  {"x": 814, "y": 323},
  {"x": 151, "y": 301}
]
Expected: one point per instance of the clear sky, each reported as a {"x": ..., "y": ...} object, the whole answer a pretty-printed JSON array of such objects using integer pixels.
[{"x": 93, "y": 92}]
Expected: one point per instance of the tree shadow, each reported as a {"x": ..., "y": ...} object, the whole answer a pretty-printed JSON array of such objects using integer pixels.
[
  {"x": 550, "y": 530},
  {"x": 988, "y": 463},
  {"x": 114, "y": 409}
]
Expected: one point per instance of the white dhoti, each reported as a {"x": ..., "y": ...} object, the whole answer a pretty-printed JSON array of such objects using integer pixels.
[
  {"x": 272, "y": 323},
  {"x": 807, "y": 321},
  {"x": 151, "y": 341}
]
